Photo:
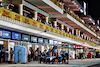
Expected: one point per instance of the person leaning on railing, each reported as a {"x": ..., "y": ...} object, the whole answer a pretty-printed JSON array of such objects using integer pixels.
[{"x": 1, "y": 4}]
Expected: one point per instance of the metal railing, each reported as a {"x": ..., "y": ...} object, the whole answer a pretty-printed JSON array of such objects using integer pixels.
[
  {"x": 78, "y": 19},
  {"x": 28, "y": 25},
  {"x": 57, "y": 3}
]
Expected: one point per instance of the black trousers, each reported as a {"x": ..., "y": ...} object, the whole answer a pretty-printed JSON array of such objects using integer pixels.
[
  {"x": 29, "y": 58},
  {"x": 53, "y": 60},
  {"x": 42, "y": 59}
]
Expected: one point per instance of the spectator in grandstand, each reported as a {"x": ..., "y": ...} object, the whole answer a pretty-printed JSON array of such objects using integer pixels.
[{"x": 25, "y": 14}]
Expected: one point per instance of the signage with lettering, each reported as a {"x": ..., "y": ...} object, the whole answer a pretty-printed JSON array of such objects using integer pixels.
[
  {"x": 25, "y": 37},
  {"x": 77, "y": 46},
  {"x": 59, "y": 42},
  {"x": 40, "y": 40},
  {"x": 16, "y": 36},
  {"x": 50, "y": 41},
  {"x": 55, "y": 42},
  {"x": 46, "y": 41},
  {"x": 5, "y": 34},
  {"x": 33, "y": 39}
]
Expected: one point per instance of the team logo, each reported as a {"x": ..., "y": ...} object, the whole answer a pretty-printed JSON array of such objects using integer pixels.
[
  {"x": 41, "y": 26},
  {"x": 47, "y": 28},
  {"x": 6, "y": 13},
  {"x": 17, "y": 17},
  {"x": 27, "y": 21},
  {"x": 34, "y": 24}
]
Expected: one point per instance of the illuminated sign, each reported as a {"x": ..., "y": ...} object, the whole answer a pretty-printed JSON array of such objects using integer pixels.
[
  {"x": 33, "y": 39},
  {"x": 25, "y": 37},
  {"x": 5, "y": 34},
  {"x": 16, "y": 36}
]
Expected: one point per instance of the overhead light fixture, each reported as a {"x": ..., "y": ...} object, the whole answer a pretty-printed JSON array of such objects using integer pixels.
[
  {"x": 93, "y": 23},
  {"x": 74, "y": 2},
  {"x": 81, "y": 10},
  {"x": 90, "y": 19},
  {"x": 98, "y": 27}
]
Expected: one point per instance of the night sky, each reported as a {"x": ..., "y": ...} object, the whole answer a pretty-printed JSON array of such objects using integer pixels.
[{"x": 93, "y": 8}]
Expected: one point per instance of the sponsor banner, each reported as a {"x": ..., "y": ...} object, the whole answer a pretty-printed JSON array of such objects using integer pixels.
[
  {"x": 6, "y": 13},
  {"x": 41, "y": 25},
  {"x": 77, "y": 46},
  {"x": 26, "y": 20},
  {"x": 16, "y": 36},
  {"x": 47, "y": 28},
  {"x": 70, "y": 46},
  {"x": 35, "y": 23},
  {"x": 16, "y": 16},
  {"x": 71, "y": 54},
  {"x": 97, "y": 50},
  {"x": 5, "y": 34}
]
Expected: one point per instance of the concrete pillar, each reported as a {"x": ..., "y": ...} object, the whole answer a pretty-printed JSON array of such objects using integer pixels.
[
  {"x": 33, "y": 47},
  {"x": 55, "y": 24},
  {"x": 64, "y": 49},
  {"x": 47, "y": 47},
  {"x": 90, "y": 39},
  {"x": 9, "y": 48},
  {"x": 35, "y": 14},
  {"x": 5, "y": 45},
  {"x": 62, "y": 27},
  {"x": 72, "y": 31},
  {"x": 46, "y": 19},
  {"x": 42, "y": 48},
  {"x": 21, "y": 9},
  {"x": 10, "y": 45},
  {"x": 36, "y": 46},
  {"x": 67, "y": 50},
  {"x": 78, "y": 33},
  {"x": 82, "y": 35},
  {"x": 67, "y": 29},
  {"x": 51, "y": 47},
  {"x": 17, "y": 43},
  {"x": 60, "y": 49},
  {"x": 29, "y": 46}
]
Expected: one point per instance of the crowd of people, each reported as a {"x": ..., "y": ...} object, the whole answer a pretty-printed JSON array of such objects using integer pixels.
[
  {"x": 48, "y": 56},
  {"x": 4, "y": 55}
]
